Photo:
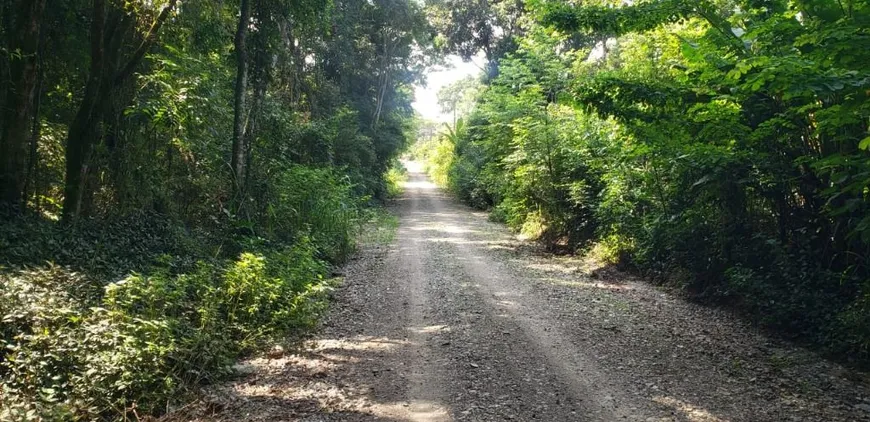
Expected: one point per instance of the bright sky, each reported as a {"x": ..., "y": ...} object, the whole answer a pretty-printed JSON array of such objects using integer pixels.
[{"x": 426, "y": 98}]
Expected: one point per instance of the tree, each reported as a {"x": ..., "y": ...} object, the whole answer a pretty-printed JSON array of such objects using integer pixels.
[
  {"x": 23, "y": 45},
  {"x": 109, "y": 69},
  {"x": 240, "y": 117},
  {"x": 458, "y": 97},
  {"x": 723, "y": 140},
  {"x": 135, "y": 131},
  {"x": 468, "y": 27}
]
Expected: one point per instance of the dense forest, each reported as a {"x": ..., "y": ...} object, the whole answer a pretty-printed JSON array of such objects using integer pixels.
[
  {"x": 178, "y": 179},
  {"x": 720, "y": 147}
]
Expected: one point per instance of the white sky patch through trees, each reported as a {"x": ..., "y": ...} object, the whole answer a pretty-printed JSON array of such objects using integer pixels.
[{"x": 426, "y": 98}]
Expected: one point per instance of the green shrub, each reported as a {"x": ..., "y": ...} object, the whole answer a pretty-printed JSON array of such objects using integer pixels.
[
  {"x": 123, "y": 314},
  {"x": 851, "y": 326},
  {"x": 151, "y": 336},
  {"x": 395, "y": 177},
  {"x": 440, "y": 161},
  {"x": 316, "y": 203},
  {"x": 63, "y": 358}
]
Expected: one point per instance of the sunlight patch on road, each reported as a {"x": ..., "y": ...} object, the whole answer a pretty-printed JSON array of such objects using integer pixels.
[
  {"x": 445, "y": 228},
  {"x": 501, "y": 294},
  {"x": 426, "y": 411},
  {"x": 329, "y": 397},
  {"x": 692, "y": 413},
  {"x": 446, "y": 240},
  {"x": 420, "y": 185},
  {"x": 358, "y": 343},
  {"x": 554, "y": 267},
  {"x": 324, "y": 378},
  {"x": 430, "y": 329},
  {"x": 431, "y": 216},
  {"x": 457, "y": 241},
  {"x": 588, "y": 285},
  {"x": 500, "y": 246}
]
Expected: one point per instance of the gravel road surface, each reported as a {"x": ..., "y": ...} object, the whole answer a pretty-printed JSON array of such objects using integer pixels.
[{"x": 457, "y": 320}]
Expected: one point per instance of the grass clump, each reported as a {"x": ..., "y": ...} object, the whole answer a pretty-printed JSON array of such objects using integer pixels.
[{"x": 395, "y": 178}]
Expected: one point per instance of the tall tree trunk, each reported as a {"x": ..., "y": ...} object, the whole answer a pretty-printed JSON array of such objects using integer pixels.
[
  {"x": 239, "y": 160},
  {"x": 262, "y": 76},
  {"x": 79, "y": 140},
  {"x": 81, "y": 129},
  {"x": 19, "y": 101},
  {"x": 5, "y": 28}
]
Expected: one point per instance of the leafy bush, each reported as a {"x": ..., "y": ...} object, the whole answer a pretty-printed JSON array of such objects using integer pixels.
[
  {"x": 315, "y": 203},
  {"x": 395, "y": 177},
  {"x": 151, "y": 336},
  {"x": 440, "y": 160}
]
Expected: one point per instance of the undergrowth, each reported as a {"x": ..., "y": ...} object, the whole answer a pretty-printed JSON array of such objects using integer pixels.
[
  {"x": 395, "y": 177},
  {"x": 117, "y": 319},
  {"x": 381, "y": 227}
]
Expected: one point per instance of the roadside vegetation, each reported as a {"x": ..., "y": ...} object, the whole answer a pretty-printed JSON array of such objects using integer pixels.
[{"x": 717, "y": 146}]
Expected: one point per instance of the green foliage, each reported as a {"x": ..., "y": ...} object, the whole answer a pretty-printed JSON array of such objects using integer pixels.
[
  {"x": 469, "y": 27},
  {"x": 150, "y": 335},
  {"x": 314, "y": 203},
  {"x": 396, "y": 176},
  {"x": 612, "y": 21},
  {"x": 719, "y": 146},
  {"x": 457, "y": 98},
  {"x": 380, "y": 228},
  {"x": 438, "y": 155}
]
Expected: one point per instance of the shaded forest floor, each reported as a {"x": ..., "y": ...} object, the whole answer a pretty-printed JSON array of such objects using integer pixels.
[{"x": 457, "y": 320}]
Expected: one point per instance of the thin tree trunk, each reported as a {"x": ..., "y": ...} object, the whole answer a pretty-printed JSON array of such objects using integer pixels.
[
  {"x": 381, "y": 94},
  {"x": 19, "y": 102},
  {"x": 239, "y": 161},
  {"x": 261, "y": 83},
  {"x": 5, "y": 28},
  {"x": 385, "y": 75},
  {"x": 33, "y": 161}
]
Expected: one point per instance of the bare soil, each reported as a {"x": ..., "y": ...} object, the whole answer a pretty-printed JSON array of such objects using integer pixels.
[{"x": 459, "y": 320}]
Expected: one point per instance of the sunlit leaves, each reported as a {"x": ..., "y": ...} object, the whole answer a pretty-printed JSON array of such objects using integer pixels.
[
  {"x": 611, "y": 21},
  {"x": 738, "y": 147}
]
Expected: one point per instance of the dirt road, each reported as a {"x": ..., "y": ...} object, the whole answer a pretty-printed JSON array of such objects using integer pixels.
[{"x": 458, "y": 320}]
